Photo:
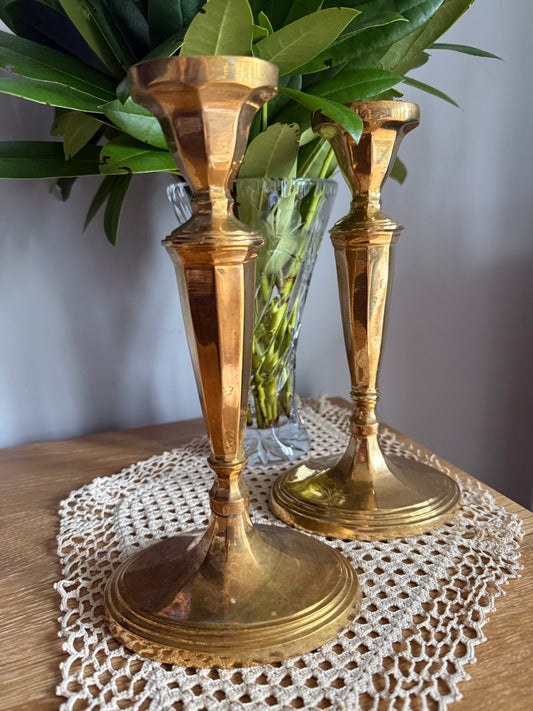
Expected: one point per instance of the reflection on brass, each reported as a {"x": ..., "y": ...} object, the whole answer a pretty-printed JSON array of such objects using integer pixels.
[
  {"x": 234, "y": 595},
  {"x": 366, "y": 494}
]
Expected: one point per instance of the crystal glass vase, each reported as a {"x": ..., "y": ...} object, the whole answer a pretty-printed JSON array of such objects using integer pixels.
[{"x": 291, "y": 215}]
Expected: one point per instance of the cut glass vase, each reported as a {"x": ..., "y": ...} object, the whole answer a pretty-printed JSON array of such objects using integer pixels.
[{"x": 291, "y": 215}]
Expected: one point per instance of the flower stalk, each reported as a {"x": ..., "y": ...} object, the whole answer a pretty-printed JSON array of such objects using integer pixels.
[{"x": 296, "y": 212}]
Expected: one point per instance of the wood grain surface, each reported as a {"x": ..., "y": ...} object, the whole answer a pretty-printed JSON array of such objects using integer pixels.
[{"x": 35, "y": 478}]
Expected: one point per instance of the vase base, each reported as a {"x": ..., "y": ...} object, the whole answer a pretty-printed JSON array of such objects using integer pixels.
[
  {"x": 406, "y": 499},
  {"x": 285, "y": 595},
  {"x": 276, "y": 444}
]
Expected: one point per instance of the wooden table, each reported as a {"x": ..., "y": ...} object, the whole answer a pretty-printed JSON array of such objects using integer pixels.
[{"x": 35, "y": 478}]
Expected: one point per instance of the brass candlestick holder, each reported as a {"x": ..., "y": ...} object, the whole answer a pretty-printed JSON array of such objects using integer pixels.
[
  {"x": 366, "y": 494},
  {"x": 236, "y": 594}
]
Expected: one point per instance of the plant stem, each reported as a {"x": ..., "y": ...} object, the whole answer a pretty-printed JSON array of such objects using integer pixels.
[
  {"x": 277, "y": 313},
  {"x": 264, "y": 117},
  {"x": 318, "y": 195},
  {"x": 313, "y": 207},
  {"x": 325, "y": 165}
]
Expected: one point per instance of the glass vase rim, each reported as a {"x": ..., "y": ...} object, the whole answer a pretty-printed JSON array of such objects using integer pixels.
[
  {"x": 288, "y": 181},
  {"x": 271, "y": 181}
]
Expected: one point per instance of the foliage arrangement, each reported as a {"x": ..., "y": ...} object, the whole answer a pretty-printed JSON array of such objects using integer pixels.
[
  {"x": 74, "y": 55},
  {"x": 291, "y": 215}
]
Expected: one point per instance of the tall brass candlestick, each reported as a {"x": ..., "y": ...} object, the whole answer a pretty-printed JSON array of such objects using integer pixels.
[
  {"x": 366, "y": 494},
  {"x": 234, "y": 595}
]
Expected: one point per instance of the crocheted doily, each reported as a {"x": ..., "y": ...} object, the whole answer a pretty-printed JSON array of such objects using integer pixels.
[{"x": 425, "y": 599}]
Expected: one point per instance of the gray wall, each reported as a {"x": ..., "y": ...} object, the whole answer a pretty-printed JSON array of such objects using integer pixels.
[{"x": 92, "y": 337}]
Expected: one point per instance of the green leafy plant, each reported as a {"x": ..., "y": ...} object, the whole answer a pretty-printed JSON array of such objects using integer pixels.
[{"x": 74, "y": 55}]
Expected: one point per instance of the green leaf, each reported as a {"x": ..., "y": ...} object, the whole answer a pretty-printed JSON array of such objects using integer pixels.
[
  {"x": 164, "y": 17},
  {"x": 300, "y": 8},
  {"x": 6, "y": 10},
  {"x": 278, "y": 102},
  {"x": 77, "y": 129},
  {"x": 116, "y": 30},
  {"x": 307, "y": 133},
  {"x": 344, "y": 116},
  {"x": 136, "y": 121},
  {"x": 272, "y": 154},
  {"x": 258, "y": 33},
  {"x": 82, "y": 15},
  {"x": 221, "y": 27},
  {"x": 345, "y": 46},
  {"x": 356, "y": 85},
  {"x": 389, "y": 95},
  {"x": 47, "y": 93},
  {"x": 62, "y": 187},
  {"x": 465, "y": 49},
  {"x": 418, "y": 61},
  {"x": 324, "y": 65},
  {"x": 276, "y": 10},
  {"x": 398, "y": 171},
  {"x": 346, "y": 86},
  {"x": 53, "y": 4},
  {"x": 382, "y": 24},
  {"x": 101, "y": 195},
  {"x": 167, "y": 49},
  {"x": 34, "y": 61},
  {"x": 48, "y": 25},
  {"x": 387, "y": 17},
  {"x": 311, "y": 158},
  {"x": 170, "y": 17},
  {"x": 123, "y": 90},
  {"x": 10, "y": 11},
  {"x": 129, "y": 21},
  {"x": 430, "y": 90},
  {"x": 114, "y": 206},
  {"x": 125, "y": 155},
  {"x": 45, "y": 159},
  {"x": 293, "y": 46},
  {"x": 110, "y": 21},
  {"x": 264, "y": 22},
  {"x": 401, "y": 54}
]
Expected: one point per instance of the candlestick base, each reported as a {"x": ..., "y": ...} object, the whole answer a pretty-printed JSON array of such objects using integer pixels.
[
  {"x": 387, "y": 497},
  {"x": 278, "y": 594}
]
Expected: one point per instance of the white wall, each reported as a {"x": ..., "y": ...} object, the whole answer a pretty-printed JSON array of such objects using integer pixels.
[
  {"x": 91, "y": 335},
  {"x": 92, "y": 338}
]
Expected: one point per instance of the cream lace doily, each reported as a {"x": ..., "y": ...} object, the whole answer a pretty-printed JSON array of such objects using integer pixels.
[{"x": 425, "y": 599}]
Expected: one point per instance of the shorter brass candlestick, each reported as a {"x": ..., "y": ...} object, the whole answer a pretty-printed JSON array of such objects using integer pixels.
[
  {"x": 235, "y": 594},
  {"x": 366, "y": 494}
]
